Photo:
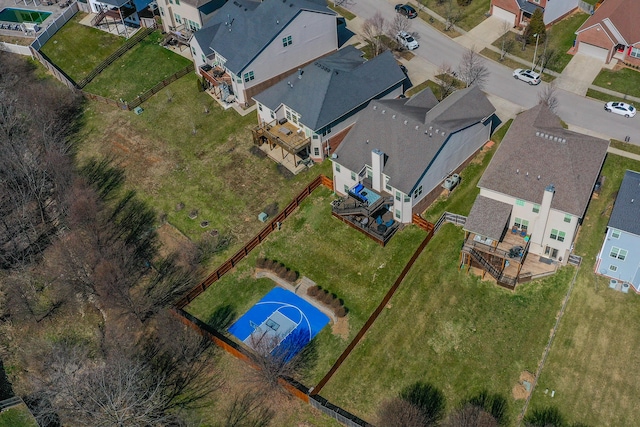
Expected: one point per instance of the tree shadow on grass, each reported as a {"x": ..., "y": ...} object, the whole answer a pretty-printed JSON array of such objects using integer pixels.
[{"x": 221, "y": 319}]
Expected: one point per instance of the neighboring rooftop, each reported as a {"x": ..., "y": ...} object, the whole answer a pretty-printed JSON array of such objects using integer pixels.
[
  {"x": 538, "y": 151},
  {"x": 626, "y": 209},
  {"x": 242, "y": 28},
  {"x": 333, "y": 86},
  {"x": 410, "y": 132},
  {"x": 619, "y": 18},
  {"x": 488, "y": 217}
]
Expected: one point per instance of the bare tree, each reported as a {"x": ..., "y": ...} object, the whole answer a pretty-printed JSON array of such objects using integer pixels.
[
  {"x": 472, "y": 69},
  {"x": 248, "y": 410},
  {"x": 548, "y": 96},
  {"x": 471, "y": 415},
  {"x": 507, "y": 40},
  {"x": 452, "y": 15},
  {"x": 399, "y": 23},
  {"x": 372, "y": 30},
  {"x": 398, "y": 412},
  {"x": 447, "y": 82}
]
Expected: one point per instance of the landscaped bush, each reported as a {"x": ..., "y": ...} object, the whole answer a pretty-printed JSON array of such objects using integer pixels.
[
  {"x": 280, "y": 269},
  {"x": 292, "y": 276},
  {"x": 336, "y": 303},
  {"x": 328, "y": 298},
  {"x": 269, "y": 264},
  {"x": 340, "y": 311},
  {"x": 261, "y": 262},
  {"x": 283, "y": 272}
]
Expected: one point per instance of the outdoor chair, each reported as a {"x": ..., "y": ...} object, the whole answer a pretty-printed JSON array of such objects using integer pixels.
[
  {"x": 514, "y": 230},
  {"x": 523, "y": 233},
  {"x": 379, "y": 220},
  {"x": 389, "y": 223}
]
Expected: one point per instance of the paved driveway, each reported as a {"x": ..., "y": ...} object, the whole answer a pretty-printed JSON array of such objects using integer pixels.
[
  {"x": 484, "y": 34},
  {"x": 579, "y": 73}
]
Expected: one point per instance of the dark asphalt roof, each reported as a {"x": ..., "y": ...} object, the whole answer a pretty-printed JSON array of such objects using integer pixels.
[
  {"x": 536, "y": 145},
  {"x": 253, "y": 26},
  {"x": 488, "y": 217},
  {"x": 626, "y": 210},
  {"x": 333, "y": 86},
  {"x": 528, "y": 6},
  {"x": 409, "y": 135}
]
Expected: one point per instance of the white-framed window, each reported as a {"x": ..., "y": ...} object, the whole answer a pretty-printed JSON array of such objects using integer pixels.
[
  {"x": 337, "y": 167},
  {"x": 520, "y": 223},
  {"x": 346, "y": 188},
  {"x": 398, "y": 213},
  {"x": 567, "y": 218},
  {"x": 621, "y": 254},
  {"x": 178, "y": 2},
  {"x": 178, "y": 18},
  {"x": 316, "y": 151},
  {"x": 635, "y": 52},
  {"x": 417, "y": 192},
  {"x": 398, "y": 197},
  {"x": 615, "y": 234},
  {"x": 259, "y": 106},
  {"x": 558, "y": 235},
  {"x": 519, "y": 202},
  {"x": 248, "y": 76},
  {"x": 407, "y": 199},
  {"x": 388, "y": 187},
  {"x": 204, "y": 58},
  {"x": 161, "y": 11},
  {"x": 353, "y": 176},
  {"x": 286, "y": 41},
  {"x": 613, "y": 267},
  {"x": 536, "y": 208}
]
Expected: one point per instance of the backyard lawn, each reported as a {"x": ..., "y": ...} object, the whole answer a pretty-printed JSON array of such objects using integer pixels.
[
  {"x": 335, "y": 256},
  {"x": 77, "y": 49},
  {"x": 468, "y": 16},
  {"x": 560, "y": 39},
  {"x": 18, "y": 416},
  {"x": 138, "y": 70},
  {"x": 624, "y": 80},
  {"x": 590, "y": 365},
  {"x": 181, "y": 159}
]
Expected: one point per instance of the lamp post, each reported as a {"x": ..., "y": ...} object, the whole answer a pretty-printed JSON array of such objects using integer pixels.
[{"x": 535, "y": 52}]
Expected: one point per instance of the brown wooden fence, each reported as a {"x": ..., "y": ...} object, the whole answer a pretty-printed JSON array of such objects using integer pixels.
[
  {"x": 422, "y": 223},
  {"x": 246, "y": 249},
  {"x": 157, "y": 88}
]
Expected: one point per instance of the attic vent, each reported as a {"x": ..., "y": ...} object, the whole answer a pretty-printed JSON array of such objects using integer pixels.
[
  {"x": 236, "y": 3},
  {"x": 538, "y": 177},
  {"x": 430, "y": 127},
  {"x": 384, "y": 111},
  {"x": 430, "y": 134},
  {"x": 405, "y": 122},
  {"x": 393, "y": 117},
  {"x": 564, "y": 141},
  {"x": 537, "y": 133},
  {"x": 437, "y": 130},
  {"x": 555, "y": 139},
  {"x": 375, "y": 107},
  {"x": 547, "y": 136},
  {"x": 517, "y": 171},
  {"x": 442, "y": 133},
  {"x": 417, "y": 127}
]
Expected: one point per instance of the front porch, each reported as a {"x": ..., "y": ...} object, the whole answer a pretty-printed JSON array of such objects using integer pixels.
[
  {"x": 367, "y": 211},
  {"x": 285, "y": 143}
]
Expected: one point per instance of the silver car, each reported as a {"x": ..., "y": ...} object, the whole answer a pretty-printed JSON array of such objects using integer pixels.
[{"x": 528, "y": 76}]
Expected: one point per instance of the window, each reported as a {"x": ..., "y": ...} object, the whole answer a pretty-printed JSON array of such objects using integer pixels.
[
  {"x": 615, "y": 234},
  {"x": 161, "y": 11},
  {"x": 286, "y": 41},
  {"x": 398, "y": 198},
  {"x": 178, "y": 19},
  {"x": 316, "y": 151},
  {"x": 272, "y": 115},
  {"x": 171, "y": 1},
  {"x": 337, "y": 167},
  {"x": 418, "y": 192},
  {"x": 635, "y": 52},
  {"x": 204, "y": 59},
  {"x": 621, "y": 254},
  {"x": 613, "y": 267},
  {"x": 353, "y": 176},
  {"x": 288, "y": 114},
  {"x": 520, "y": 223},
  {"x": 387, "y": 187},
  {"x": 561, "y": 236},
  {"x": 567, "y": 218},
  {"x": 536, "y": 208},
  {"x": 554, "y": 234},
  {"x": 519, "y": 202},
  {"x": 248, "y": 76},
  {"x": 398, "y": 213},
  {"x": 346, "y": 188},
  {"x": 315, "y": 136},
  {"x": 178, "y": 2},
  {"x": 259, "y": 106}
]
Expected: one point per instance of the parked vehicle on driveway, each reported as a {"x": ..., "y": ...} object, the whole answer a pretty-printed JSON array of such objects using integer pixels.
[
  {"x": 528, "y": 76},
  {"x": 407, "y": 41},
  {"x": 621, "y": 108},
  {"x": 406, "y": 10}
]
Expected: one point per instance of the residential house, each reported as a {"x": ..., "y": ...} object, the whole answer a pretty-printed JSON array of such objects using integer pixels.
[
  {"x": 619, "y": 258},
  {"x": 184, "y": 17},
  {"x": 533, "y": 196},
  {"x": 392, "y": 162},
  {"x": 300, "y": 116},
  {"x": 123, "y": 14},
  {"x": 250, "y": 45},
  {"x": 518, "y": 12},
  {"x": 612, "y": 32}
]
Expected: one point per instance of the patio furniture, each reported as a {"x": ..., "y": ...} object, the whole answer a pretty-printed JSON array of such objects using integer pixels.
[
  {"x": 514, "y": 230},
  {"x": 389, "y": 223},
  {"x": 523, "y": 233},
  {"x": 365, "y": 221},
  {"x": 382, "y": 228},
  {"x": 379, "y": 220}
]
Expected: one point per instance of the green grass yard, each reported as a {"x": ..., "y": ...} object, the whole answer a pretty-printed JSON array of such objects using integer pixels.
[
  {"x": 138, "y": 70},
  {"x": 77, "y": 49},
  {"x": 625, "y": 80},
  {"x": 470, "y": 16},
  {"x": 335, "y": 256}
]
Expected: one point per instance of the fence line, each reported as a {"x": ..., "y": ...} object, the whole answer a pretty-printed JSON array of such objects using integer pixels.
[
  {"x": 15, "y": 48},
  {"x": 231, "y": 262},
  {"x": 54, "y": 26},
  {"x": 157, "y": 88},
  {"x": 53, "y": 69},
  {"x": 336, "y": 412},
  {"x": 137, "y": 38},
  {"x": 10, "y": 403}
]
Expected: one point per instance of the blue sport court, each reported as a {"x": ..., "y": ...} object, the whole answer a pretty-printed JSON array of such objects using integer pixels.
[{"x": 287, "y": 320}]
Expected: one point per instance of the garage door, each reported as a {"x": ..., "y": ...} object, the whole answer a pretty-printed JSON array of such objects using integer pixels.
[
  {"x": 503, "y": 14},
  {"x": 591, "y": 50}
]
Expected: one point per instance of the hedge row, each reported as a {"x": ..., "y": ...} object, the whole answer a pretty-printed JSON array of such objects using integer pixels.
[
  {"x": 278, "y": 268},
  {"x": 328, "y": 299}
]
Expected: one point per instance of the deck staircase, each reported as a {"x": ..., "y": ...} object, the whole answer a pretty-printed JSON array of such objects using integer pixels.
[
  {"x": 98, "y": 18},
  {"x": 350, "y": 206},
  {"x": 501, "y": 278}
]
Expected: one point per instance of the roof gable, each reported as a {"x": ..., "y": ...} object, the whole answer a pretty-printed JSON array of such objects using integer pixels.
[
  {"x": 626, "y": 209},
  {"x": 538, "y": 151},
  {"x": 622, "y": 16},
  {"x": 241, "y": 29},
  {"x": 407, "y": 135},
  {"x": 334, "y": 85}
]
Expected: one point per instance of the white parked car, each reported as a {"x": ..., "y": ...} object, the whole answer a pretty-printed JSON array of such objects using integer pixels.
[
  {"x": 621, "y": 108},
  {"x": 528, "y": 76},
  {"x": 406, "y": 40}
]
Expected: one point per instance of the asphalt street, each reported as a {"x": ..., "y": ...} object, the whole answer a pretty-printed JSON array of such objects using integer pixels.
[{"x": 580, "y": 113}]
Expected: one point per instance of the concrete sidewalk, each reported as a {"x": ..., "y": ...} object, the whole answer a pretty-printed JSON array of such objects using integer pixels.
[{"x": 484, "y": 34}]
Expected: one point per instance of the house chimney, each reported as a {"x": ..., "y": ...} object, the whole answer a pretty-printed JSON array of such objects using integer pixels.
[
  {"x": 538, "y": 231},
  {"x": 377, "y": 164}
]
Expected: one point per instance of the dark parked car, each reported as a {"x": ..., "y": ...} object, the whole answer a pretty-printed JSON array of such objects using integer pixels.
[{"x": 406, "y": 10}]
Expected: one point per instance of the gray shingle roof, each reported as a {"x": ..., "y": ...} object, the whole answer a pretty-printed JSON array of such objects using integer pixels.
[
  {"x": 333, "y": 86},
  {"x": 253, "y": 26},
  {"x": 409, "y": 135},
  {"x": 488, "y": 217},
  {"x": 626, "y": 210},
  {"x": 528, "y": 6},
  {"x": 537, "y": 145}
]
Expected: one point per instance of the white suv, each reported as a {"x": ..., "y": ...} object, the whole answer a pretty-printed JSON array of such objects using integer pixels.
[{"x": 407, "y": 41}]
